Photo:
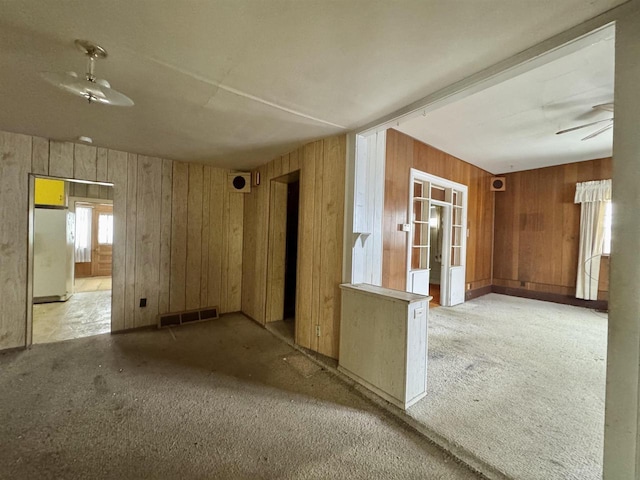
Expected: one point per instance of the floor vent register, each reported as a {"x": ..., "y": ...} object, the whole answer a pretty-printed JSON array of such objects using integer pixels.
[{"x": 190, "y": 316}]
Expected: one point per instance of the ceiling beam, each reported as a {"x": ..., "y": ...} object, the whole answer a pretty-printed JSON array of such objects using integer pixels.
[{"x": 559, "y": 45}]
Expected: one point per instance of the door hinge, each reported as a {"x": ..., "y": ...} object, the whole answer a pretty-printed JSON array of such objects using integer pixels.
[{"x": 317, "y": 330}]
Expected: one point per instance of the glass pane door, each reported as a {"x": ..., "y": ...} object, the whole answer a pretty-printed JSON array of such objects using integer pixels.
[
  {"x": 437, "y": 236},
  {"x": 420, "y": 226},
  {"x": 457, "y": 229}
]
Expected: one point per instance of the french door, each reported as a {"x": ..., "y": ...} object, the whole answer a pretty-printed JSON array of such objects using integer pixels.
[{"x": 437, "y": 233}]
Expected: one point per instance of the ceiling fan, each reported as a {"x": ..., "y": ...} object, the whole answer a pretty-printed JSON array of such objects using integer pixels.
[
  {"x": 607, "y": 107},
  {"x": 92, "y": 88}
]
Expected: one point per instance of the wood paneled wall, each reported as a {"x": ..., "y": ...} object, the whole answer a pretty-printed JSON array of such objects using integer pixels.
[
  {"x": 320, "y": 236},
  {"x": 177, "y": 230},
  {"x": 15, "y": 165},
  {"x": 404, "y": 153},
  {"x": 207, "y": 237},
  {"x": 537, "y": 228}
]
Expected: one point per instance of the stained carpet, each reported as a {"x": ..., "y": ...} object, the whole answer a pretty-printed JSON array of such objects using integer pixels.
[
  {"x": 213, "y": 400},
  {"x": 519, "y": 383}
]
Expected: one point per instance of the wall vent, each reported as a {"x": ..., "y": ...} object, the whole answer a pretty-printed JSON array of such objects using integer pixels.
[
  {"x": 175, "y": 319},
  {"x": 240, "y": 182},
  {"x": 498, "y": 184}
]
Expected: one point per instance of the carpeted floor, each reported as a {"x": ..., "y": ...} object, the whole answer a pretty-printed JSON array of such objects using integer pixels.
[
  {"x": 519, "y": 383},
  {"x": 224, "y": 399}
]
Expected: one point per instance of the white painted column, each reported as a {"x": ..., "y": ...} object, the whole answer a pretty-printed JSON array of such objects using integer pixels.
[
  {"x": 349, "y": 204},
  {"x": 622, "y": 446},
  {"x": 365, "y": 198}
]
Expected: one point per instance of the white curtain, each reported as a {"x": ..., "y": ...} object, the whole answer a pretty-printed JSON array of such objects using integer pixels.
[
  {"x": 83, "y": 234},
  {"x": 593, "y": 198}
]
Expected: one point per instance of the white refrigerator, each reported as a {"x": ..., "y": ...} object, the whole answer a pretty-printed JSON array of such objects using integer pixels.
[{"x": 53, "y": 254}]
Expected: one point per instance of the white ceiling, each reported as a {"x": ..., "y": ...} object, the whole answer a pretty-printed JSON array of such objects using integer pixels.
[
  {"x": 511, "y": 126},
  {"x": 236, "y": 82}
]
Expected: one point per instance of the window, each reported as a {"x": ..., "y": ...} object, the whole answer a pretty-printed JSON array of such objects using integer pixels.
[
  {"x": 105, "y": 229},
  {"x": 83, "y": 234},
  {"x": 606, "y": 247},
  {"x": 594, "y": 198}
]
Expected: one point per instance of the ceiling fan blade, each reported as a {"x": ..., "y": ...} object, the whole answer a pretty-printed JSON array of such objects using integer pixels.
[
  {"x": 583, "y": 126},
  {"x": 598, "y": 132},
  {"x": 97, "y": 91},
  {"x": 88, "y": 86},
  {"x": 604, "y": 106}
]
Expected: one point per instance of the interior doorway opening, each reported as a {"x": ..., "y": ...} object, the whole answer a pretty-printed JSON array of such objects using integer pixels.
[
  {"x": 291, "y": 251},
  {"x": 537, "y": 204},
  {"x": 94, "y": 228},
  {"x": 282, "y": 266},
  {"x": 71, "y": 235},
  {"x": 437, "y": 253}
]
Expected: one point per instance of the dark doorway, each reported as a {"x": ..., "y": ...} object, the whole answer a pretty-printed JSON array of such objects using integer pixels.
[
  {"x": 436, "y": 235},
  {"x": 291, "y": 251}
]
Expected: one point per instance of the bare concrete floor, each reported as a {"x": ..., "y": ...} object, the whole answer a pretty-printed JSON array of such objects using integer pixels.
[
  {"x": 223, "y": 399},
  {"x": 83, "y": 315}
]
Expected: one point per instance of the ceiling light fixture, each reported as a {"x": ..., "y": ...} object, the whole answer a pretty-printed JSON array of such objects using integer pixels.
[
  {"x": 84, "y": 139},
  {"x": 90, "y": 87}
]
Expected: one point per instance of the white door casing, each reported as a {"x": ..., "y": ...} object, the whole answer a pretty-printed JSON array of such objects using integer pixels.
[{"x": 454, "y": 200}]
